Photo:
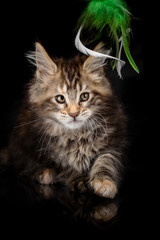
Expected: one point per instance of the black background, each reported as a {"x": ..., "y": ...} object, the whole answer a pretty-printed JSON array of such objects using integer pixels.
[{"x": 53, "y": 24}]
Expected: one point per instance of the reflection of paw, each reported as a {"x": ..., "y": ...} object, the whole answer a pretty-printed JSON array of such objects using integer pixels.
[
  {"x": 46, "y": 191},
  {"x": 78, "y": 185},
  {"x": 104, "y": 213},
  {"x": 82, "y": 187},
  {"x": 104, "y": 188},
  {"x": 46, "y": 177}
]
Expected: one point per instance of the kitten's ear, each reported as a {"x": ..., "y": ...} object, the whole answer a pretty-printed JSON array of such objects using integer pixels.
[
  {"x": 93, "y": 63},
  {"x": 44, "y": 64}
]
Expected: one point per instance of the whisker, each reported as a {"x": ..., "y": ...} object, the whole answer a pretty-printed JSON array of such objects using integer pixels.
[
  {"x": 43, "y": 136},
  {"x": 102, "y": 122},
  {"x": 35, "y": 120},
  {"x": 87, "y": 125},
  {"x": 100, "y": 116},
  {"x": 49, "y": 141},
  {"x": 92, "y": 127},
  {"x": 101, "y": 126},
  {"x": 41, "y": 129}
]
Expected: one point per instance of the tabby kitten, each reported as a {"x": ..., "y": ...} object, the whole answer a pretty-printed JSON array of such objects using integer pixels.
[{"x": 71, "y": 127}]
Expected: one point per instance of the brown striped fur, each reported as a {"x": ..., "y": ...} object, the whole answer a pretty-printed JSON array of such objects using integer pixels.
[{"x": 75, "y": 141}]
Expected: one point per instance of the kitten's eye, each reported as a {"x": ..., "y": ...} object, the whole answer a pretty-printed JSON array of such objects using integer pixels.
[
  {"x": 84, "y": 96},
  {"x": 60, "y": 99}
]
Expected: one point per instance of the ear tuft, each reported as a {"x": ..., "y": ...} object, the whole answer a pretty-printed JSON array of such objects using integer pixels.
[
  {"x": 100, "y": 47},
  {"x": 93, "y": 63},
  {"x": 44, "y": 64}
]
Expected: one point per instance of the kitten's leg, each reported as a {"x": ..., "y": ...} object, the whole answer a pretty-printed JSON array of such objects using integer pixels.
[
  {"x": 46, "y": 177},
  {"x": 104, "y": 175}
]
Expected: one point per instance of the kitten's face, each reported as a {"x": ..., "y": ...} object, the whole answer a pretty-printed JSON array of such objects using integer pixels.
[
  {"x": 68, "y": 93},
  {"x": 72, "y": 105}
]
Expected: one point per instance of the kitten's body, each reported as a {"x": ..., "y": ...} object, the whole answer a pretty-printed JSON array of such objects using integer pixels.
[{"x": 71, "y": 126}]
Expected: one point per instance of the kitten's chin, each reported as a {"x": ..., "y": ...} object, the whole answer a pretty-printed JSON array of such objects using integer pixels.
[{"x": 74, "y": 124}]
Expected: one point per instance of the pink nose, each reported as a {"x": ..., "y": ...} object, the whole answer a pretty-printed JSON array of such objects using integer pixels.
[{"x": 74, "y": 114}]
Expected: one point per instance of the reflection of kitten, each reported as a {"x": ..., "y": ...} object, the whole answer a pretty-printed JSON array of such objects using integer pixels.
[{"x": 71, "y": 127}]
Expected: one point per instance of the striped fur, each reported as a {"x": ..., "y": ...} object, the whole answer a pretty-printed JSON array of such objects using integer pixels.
[{"x": 74, "y": 140}]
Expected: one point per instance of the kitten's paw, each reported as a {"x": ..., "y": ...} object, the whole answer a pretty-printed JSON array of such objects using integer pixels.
[
  {"x": 46, "y": 177},
  {"x": 104, "y": 188},
  {"x": 104, "y": 213}
]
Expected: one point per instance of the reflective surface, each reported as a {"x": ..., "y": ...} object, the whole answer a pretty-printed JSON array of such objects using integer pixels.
[{"x": 46, "y": 210}]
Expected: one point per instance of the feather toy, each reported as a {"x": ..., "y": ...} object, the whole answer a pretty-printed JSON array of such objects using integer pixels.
[{"x": 113, "y": 17}]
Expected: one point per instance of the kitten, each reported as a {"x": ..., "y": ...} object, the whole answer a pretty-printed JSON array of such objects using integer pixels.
[{"x": 71, "y": 127}]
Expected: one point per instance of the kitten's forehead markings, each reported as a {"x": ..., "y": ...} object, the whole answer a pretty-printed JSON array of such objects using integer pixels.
[
  {"x": 72, "y": 96},
  {"x": 84, "y": 87},
  {"x": 71, "y": 76},
  {"x": 58, "y": 89},
  {"x": 67, "y": 81},
  {"x": 62, "y": 89},
  {"x": 75, "y": 81},
  {"x": 79, "y": 87},
  {"x": 65, "y": 76}
]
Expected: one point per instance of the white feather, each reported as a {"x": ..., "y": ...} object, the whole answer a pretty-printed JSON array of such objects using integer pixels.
[
  {"x": 88, "y": 51},
  {"x": 119, "y": 63}
]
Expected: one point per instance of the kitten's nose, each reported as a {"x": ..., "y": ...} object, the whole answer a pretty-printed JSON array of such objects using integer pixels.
[{"x": 74, "y": 114}]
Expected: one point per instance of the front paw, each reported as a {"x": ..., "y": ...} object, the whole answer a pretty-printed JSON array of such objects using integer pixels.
[
  {"x": 104, "y": 187},
  {"x": 46, "y": 177}
]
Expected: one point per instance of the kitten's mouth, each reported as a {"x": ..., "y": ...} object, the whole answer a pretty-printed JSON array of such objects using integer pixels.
[
  {"x": 74, "y": 124},
  {"x": 75, "y": 121}
]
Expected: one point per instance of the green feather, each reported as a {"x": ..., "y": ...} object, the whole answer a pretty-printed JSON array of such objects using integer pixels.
[
  {"x": 111, "y": 15},
  {"x": 127, "y": 51}
]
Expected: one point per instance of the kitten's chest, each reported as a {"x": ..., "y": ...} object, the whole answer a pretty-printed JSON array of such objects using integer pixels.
[{"x": 78, "y": 152}]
